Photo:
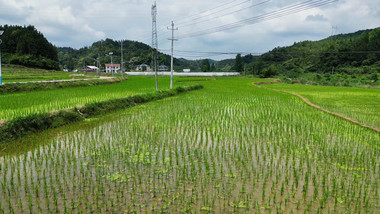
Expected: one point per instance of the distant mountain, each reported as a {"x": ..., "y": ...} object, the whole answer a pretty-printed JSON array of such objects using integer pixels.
[
  {"x": 135, "y": 53},
  {"x": 26, "y": 46}
]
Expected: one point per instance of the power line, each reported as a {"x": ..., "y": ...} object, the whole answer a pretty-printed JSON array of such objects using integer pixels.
[
  {"x": 276, "y": 14},
  {"x": 200, "y": 53},
  {"x": 299, "y": 7},
  {"x": 226, "y": 14},
  {"x": 198, "y": 14},
  {"x": 209, "y": 14},
  {"x": 163, "y": 27}
]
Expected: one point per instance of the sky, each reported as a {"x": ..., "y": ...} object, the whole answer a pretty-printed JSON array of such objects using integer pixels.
[{"x": 79, "y": 23}]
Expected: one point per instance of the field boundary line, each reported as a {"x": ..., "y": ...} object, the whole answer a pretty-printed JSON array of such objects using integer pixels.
[
  {"x": 308, "y": 102},
  {"x": 62, "y": 80},
  {"x": 19, "y": 127},
  {"x": 48, "y": 85}
]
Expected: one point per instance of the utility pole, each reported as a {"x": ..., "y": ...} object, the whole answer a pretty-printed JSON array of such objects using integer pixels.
[
  {"x": 1, "y": 77},
  {"x": 112, "y": 68},
  {"x": 122, "y": 62},
  {"x": 171, "y": 61},
  {"x": 154, "y": 41},
  {"x": 97, "y": 60}
]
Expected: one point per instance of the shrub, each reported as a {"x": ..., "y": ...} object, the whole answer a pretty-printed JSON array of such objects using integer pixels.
[{"x": 269, "y": 72}]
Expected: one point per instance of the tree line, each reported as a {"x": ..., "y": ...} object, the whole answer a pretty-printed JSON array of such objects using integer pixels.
[{"x": 355, "y": 53}]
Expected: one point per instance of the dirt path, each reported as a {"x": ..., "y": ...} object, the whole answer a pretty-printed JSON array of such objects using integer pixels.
[{"x": 307, "y": 101}]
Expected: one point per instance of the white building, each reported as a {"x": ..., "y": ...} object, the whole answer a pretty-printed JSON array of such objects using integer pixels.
[
  {"x": 186, "y": 70},
  {"x": 112, "y": 67}
]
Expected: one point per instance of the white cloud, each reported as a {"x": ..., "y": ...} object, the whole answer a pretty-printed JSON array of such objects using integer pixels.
[
  {"x": 316, "y": 18},
  {"x": 80, "y": 23}
]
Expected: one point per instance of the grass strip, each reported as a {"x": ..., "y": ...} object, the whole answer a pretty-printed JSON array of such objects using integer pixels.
[
  {"x": 22, "y": 126},
  {"x": 22, "y": 87}
]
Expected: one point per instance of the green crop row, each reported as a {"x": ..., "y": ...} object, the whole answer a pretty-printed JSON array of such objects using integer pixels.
[
  {"x": 229, "y": 148},
  {"x": 13, "y": 129},
  {"x": 24, "y": 87},
  {"x": 22, "y": 104},
  {"x": 17, "y": 73},
  {"x": 357, "y": 103}
]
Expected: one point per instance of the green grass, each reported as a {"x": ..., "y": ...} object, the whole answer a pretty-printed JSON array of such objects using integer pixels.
[
  {"x": 230, "y": 147},
  {"x": 357, "y": 103},
  {"x": 16, "y": 73}
]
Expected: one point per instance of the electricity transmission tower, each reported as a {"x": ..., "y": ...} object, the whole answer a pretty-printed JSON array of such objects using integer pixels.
[
  {"x": 154, "y": 41},
  {"x": 122, "y": 60},
  {"x": 171, "y": 61}
]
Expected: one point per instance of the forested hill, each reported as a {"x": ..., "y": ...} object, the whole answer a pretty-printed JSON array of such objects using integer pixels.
[
  {"x": 135, "y": 53},
  {"x": 26, "y": 46},
  {"x": 354, "y": 53}
]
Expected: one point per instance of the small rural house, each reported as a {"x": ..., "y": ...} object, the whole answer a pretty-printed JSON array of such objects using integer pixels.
[
  {"x": 112, "y": 67},
  {"x": 186, "y": 70},
  {"x": 162, "y": 68},
  {"x": 143, "y": 67},
  {"x": 91, "y": 68}
]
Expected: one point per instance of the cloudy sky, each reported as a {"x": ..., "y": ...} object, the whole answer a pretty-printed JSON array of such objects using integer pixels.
[{"x": 79, "y": 23}]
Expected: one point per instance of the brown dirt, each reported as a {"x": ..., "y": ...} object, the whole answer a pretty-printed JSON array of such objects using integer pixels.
[
  {"x": 269, "y": 82},
  {"x": 307, "y": 101}
]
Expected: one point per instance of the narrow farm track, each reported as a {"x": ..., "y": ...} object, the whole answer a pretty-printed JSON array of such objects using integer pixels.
[{"x": 307, "y": 101}]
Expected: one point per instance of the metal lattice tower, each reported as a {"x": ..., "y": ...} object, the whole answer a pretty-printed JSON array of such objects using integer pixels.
[{"x": 154, "y": 41}]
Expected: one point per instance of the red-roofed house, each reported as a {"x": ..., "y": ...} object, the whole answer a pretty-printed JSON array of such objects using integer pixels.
[{"x": 112, "y": 67}]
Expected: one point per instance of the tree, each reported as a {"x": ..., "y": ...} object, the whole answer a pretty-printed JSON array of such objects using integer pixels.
[
  {"x": 213, "y": 68},
  {"x": 239, "y": 63},
  {"x": 248, "y": 58},
  {"x": 268, "y": 72},
  {"x": 205, "y": 65},
  {"x": 70, "y": 64},
  {"x": 374, "y": 77}
]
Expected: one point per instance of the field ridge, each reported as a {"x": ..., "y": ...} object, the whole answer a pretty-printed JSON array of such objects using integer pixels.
[
  {"x": 53, "y": 84},
  {"x": 22, "y": 126},
  {"x": 308, "y": 102}
]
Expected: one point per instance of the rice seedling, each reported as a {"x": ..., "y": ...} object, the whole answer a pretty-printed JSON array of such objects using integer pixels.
[
  {"x": 230, "y": 147},
  {"x": 358, "y": 103},
  {"x": 22, "y": 104}
]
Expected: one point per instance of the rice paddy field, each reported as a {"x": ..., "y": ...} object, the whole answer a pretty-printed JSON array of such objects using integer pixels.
[
  {"x": 17, "y": 73},
  {"x": 358, "y": 103},
  {"x": 230, "y": 147},
  {"x": 15, "y": 105}
]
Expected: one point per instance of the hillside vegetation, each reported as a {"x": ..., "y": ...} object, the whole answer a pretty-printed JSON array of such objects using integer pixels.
[
  {"x": 135, "y": 53},
  {"x": 341, "y": 56},
  {"x": 26, "y": 46}
]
